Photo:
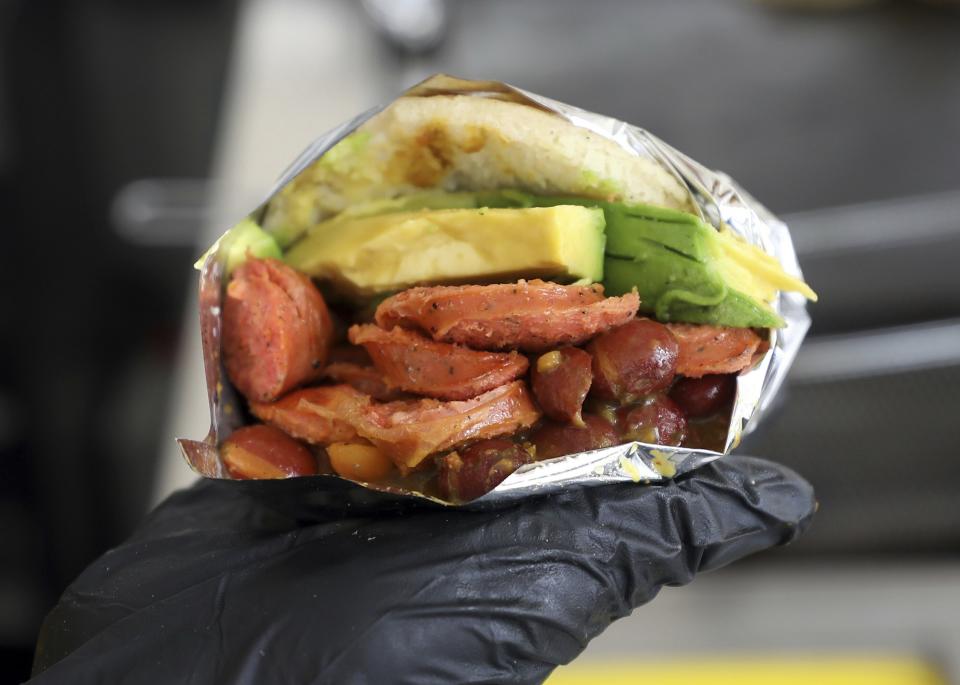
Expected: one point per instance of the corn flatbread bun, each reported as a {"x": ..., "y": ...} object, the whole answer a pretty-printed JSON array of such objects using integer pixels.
[{"x": 459, "y": 142}]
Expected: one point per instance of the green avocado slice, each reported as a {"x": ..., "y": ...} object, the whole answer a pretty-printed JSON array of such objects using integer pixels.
[
  {"x": 667, "y": 255},
  {"x": 682, "y": 267},
  {"x": 245, "y": 239},
  {"x": 672, "y": 258},
  {"x": 674, "y": 288}
]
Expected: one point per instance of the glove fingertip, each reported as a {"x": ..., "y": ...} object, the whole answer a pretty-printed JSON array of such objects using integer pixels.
[{"x": 778, "y": 491}]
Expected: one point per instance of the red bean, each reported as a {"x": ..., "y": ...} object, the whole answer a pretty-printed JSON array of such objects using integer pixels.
[
  {"x": 657, "y": 420},
  {"x": 556, "y": 439},
  {"x": 636, "y": 359},
  {"x": 560, "y": 381},
  {"x": 700, "y": 397},
  {"x": 257, "y": 452},
  {"x": 475, "y": 470}
]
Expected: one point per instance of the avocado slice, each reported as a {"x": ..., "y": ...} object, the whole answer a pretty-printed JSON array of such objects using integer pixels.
[
  {"x": 245, "y": 239},
  {"x": 674, "y": 288},
  {"x": 683, "y": 268},
  {"x": 361, "y": 256}
]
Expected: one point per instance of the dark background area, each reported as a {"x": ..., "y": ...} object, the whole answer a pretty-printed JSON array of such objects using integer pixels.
[
  {"x": 92, "y": 96},
  {"x": 809, "y": 110}
]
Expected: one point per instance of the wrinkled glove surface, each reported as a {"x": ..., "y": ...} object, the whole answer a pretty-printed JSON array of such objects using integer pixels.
[{"x": 219, "y": 587}]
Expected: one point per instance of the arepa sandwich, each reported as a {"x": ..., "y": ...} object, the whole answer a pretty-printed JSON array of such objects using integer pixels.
[{"x": 464, "y": 285}]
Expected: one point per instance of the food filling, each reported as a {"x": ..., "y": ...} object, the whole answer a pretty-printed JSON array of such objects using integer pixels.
[{"x": 439, "y": 343}]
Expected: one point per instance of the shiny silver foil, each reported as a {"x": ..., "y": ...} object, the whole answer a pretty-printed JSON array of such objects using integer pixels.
[{"x": 720, "y": 201}]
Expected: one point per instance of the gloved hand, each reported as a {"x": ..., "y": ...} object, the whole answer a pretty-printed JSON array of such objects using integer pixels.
[{"x": 216, "y": 587}]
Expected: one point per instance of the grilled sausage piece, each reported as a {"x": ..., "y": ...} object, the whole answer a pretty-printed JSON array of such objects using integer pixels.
[
  {"x": 408, "y": 431},
  {"x": 713, "y": 349},
  {"x": 315, "y": 415},
  {"x": 532, "y": 316},
  {"x": 277, "y": 330},
  {"x": 414, "y": 363}
]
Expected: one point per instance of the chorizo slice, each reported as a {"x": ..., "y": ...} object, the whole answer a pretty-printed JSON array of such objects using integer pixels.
[
  {"x": 706, "y": 350},
  {"x": 363, "y": 377},
  {"x": 416, "y": 364},
  {"x": 532, "y": 316},
  {"x": 326, "y": 418},
  {"x": 408, "y": 431},
  {"x": 277, "y": 330}
]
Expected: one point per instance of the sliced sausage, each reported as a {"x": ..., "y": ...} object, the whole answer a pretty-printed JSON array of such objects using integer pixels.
[
  {"x": 365, "y": 378},
  {"x": 414, "y": 363},
  {"x": 408, "y": 431},
  {"x": 713, "y": 349},
  {"x": 319, "y": 416},
  {"x": 276, "y": 330},
  {"x": 528, "y": 315}
]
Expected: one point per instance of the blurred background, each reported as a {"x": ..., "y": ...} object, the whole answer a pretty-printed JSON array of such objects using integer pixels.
[{"x": 133, "y": 133}]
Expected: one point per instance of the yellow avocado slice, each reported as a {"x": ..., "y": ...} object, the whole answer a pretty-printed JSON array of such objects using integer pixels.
[{"x": 365, "y": 256}]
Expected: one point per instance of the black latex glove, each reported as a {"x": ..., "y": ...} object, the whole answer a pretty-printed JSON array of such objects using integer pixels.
[{"x": 218, "y": 588}]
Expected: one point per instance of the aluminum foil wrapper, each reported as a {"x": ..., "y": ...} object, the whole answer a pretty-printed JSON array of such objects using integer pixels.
[{"x": 719, "y": 200}]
